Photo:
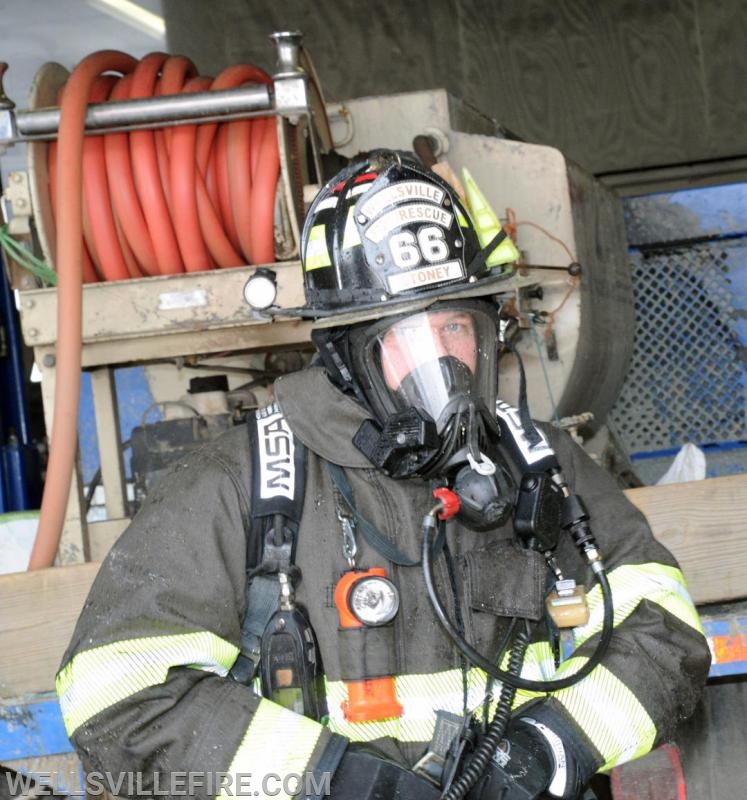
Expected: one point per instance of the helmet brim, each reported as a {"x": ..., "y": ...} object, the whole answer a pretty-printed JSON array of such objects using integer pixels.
[{"x": 502, "y": 283}]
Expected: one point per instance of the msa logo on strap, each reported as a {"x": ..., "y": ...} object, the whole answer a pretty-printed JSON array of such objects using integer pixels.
[
  {"x": 277, "y": 475},
  {"x": 531, "y": 453}
]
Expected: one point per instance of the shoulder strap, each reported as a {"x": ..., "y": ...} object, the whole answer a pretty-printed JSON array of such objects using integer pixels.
[
  {"x": 531, "y": 451},
  {"x": 277, "y": 495}
]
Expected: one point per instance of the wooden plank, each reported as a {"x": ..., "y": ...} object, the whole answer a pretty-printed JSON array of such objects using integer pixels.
[
  {"x": 38, "y": 613},
  {"x": 704, "y": 523}
]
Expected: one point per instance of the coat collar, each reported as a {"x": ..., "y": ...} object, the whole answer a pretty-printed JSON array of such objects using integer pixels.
[{"x": 322, "y": 417}]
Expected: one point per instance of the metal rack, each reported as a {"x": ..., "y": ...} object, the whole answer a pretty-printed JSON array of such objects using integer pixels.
[{"x": 140, "y": 321}]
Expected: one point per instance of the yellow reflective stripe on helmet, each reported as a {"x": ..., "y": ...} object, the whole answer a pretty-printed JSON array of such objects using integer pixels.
[
  {"x": 262, "y": 754},
  {"x": 316, "y": 254},
  {"x": 608, "y": 712},
  {"x": 99, "y": 678},
  {"x": 461, "y": 219},
  {"x": 632, "y": 583},
  {"x": 350, "y": 236}
]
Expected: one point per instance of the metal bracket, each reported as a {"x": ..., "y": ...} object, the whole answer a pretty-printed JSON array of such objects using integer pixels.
[{"x": 18, "y": 197}]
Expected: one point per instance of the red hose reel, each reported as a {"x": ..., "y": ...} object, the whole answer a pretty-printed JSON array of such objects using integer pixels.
[{"x": 182, "y": 199}]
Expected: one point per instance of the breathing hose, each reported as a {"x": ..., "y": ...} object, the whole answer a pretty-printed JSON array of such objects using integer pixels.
[
  {"x": 429, "y": 524},
  {"x": 149, "y": 202}
]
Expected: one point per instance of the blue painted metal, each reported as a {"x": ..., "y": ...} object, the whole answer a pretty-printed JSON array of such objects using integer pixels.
[
  {"x": 712, "y": 212},
  {"x": 33, "y": 728},
  {"x": 134, "y": 397},
  {"x": 725, "y": 628},
  {"x": 13, "y": 405},
  {"x": 20, "y": 477}
]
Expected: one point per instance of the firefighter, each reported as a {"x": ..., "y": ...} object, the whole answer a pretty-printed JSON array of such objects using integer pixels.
[{"x": 374, "y": 591}]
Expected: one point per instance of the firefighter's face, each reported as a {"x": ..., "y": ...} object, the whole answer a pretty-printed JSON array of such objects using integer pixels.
[{"x": 427, "y": 337}]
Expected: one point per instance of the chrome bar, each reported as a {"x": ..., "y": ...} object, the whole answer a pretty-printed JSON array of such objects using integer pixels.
[{"x": 152, "y": 111}]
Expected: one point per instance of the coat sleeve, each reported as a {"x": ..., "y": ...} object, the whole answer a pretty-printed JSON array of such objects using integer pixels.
[
  {"x": 657, "y": 663},
  {"x": 143, "y": 685}
]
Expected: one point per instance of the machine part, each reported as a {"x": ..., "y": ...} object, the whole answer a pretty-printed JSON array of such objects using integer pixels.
[
  {"x": 8, "y": 130},
  {"x": 126, "y": 115},
  {"x": 281, "y": 362},
  {"x": 210, "y": 224},
  {"x": 258, "y": 243},
  {"x": 19, "y": 197},
  {"x": 376, "y": 698},
  {"x": 156, "y": 446},
  {"x": 174, "y": 109}
]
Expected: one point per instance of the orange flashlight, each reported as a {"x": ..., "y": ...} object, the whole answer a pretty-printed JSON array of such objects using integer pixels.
[{"x": 368, "y": 599}]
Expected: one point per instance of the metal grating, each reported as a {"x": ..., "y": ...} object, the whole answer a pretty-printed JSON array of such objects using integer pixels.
[{"x": 686, "y": 381}]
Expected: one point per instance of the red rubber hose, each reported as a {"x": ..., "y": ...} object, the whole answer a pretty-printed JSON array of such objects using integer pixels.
[
  {"x": 101, "y": 232},
  {"x": 183, "y": 182},
  {"x": 64, "y": 434}
]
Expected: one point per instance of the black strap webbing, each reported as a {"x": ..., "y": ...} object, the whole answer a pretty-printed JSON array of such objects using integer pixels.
[
  {"x": 277, "y": 495},
  {"x": 373, "y": 536}
]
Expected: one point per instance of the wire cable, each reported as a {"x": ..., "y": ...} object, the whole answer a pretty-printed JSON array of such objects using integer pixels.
[{"x": 487, "y": 666}]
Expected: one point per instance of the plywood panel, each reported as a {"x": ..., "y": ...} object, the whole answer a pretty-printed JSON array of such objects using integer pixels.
[
  {"x": 38, "y": 611},
  {"x": 704, "y": 523},
  {"x": 614, "y": 84}
]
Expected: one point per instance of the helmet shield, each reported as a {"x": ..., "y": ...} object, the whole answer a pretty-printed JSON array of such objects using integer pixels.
[{"x": 433, "y": 361}]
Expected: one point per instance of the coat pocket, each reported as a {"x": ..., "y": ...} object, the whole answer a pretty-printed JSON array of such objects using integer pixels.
[{"x": 506, "y": 580}]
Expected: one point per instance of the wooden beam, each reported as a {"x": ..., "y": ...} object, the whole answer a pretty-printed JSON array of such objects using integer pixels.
[
  {"x": 703, "y": 523},
  {"x": 39, "y": 610}
]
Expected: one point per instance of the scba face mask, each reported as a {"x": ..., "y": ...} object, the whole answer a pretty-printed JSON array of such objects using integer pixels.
[{"x": 430, "y": 379}]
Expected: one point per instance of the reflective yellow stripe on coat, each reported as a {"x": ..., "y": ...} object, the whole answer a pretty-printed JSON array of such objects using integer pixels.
[
  {"x": 277, "y": 742},
  {"x": 96, "y": 679}
]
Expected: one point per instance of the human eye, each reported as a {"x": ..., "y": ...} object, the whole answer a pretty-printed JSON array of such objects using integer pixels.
[{"x": 458, "y": 326}]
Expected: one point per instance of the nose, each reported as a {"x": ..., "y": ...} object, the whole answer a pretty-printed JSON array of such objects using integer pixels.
[{"x": 440, "y": 345}]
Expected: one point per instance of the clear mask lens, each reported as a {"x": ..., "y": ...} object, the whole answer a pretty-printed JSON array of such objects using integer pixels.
[{"x": 433, "y": 359}]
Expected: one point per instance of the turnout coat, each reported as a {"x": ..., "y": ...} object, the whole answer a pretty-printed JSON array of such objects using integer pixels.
[{"x": 144, "y": 684}]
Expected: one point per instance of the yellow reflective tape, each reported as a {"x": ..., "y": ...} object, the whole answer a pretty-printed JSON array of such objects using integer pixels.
[
  {"x": 461, "y": 219},
  {"x": 350, "y": 236},
  {"x": 316, "y": 254},
  {"x": 99, "y": 678},
  {"x": 632, "y": 583},
  {"x": 420, "y": 696},
  {"x": 261, "y": 756},
  {"x": 608, "y": 712}
]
